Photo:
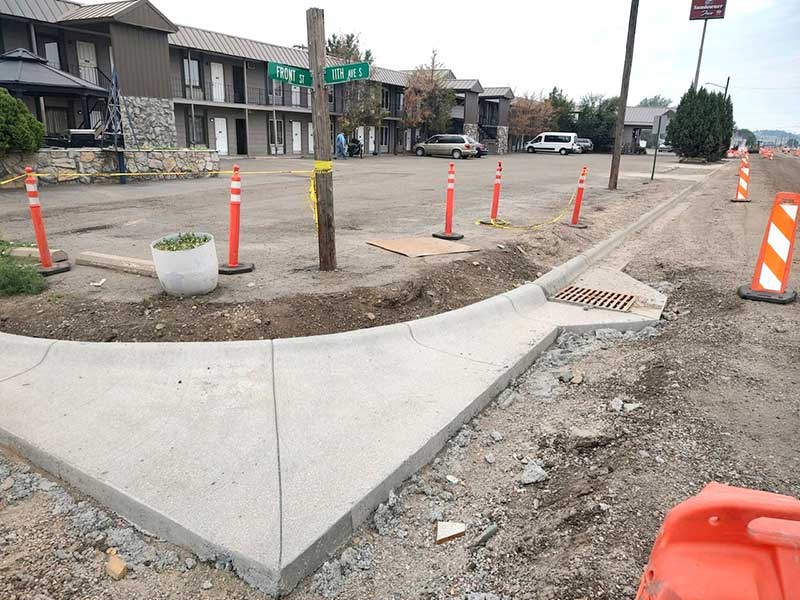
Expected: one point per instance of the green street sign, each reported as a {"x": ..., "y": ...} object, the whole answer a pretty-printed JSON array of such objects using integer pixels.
[
  {"x": 289, "y": 74},
  {"x": 344, "y": 73}
]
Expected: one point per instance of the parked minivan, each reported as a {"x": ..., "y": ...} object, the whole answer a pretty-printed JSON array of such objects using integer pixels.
[
  {"x": 554, "y": 141},
  {"x": 456, "y": 146}
]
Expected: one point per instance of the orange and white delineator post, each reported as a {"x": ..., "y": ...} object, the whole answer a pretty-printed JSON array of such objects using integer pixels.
[
  {"x": 233, "y": 266},
  {"x": 498, "y": 175},
  {"x": 743, "y": 187},
  {"x": 448, "y": 234},
  {"x": 576, "y": 212},
  {"x": 774, "y": 265},
  {"x": 46, "y": 266}
]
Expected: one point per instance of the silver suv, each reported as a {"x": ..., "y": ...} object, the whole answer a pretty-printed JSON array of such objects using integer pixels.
[{"x": 446, "y": 144}]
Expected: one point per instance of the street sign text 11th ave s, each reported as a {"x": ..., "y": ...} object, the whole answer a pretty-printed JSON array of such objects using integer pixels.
[
  {"x": 345, "y": 73},
  {"x": 289, "y": 74}
]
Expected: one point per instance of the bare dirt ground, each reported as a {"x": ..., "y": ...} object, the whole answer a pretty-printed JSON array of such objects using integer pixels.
[
  {"x": 291, "y": 298},
  {"x": 648, "y": 420}
]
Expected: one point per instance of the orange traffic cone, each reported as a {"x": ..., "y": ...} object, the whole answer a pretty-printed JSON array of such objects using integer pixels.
[
  {"x": 774, "y": 264},
  {"x": 726, "y": 543}
]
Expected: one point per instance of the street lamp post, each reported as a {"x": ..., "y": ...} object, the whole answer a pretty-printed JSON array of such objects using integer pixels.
[{"x": 725, "y": 87}]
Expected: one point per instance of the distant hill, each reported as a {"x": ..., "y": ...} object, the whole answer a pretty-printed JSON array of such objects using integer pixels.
[{"x": 774, "y": 135}]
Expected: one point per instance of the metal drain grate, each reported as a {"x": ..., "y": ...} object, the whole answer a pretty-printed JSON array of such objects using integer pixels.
[{"x": 596, "y": 298}]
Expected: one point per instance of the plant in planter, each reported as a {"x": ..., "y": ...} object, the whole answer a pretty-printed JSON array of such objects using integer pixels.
[{"x": 186, "y": 263}]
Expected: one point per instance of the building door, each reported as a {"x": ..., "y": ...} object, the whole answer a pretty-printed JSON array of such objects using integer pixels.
[
  {"x": 310, "y": 138},
  {"x": 297, "y": 139},
  {"x": 87, "y": 61},
  {"x": 221, "y": 135},
  {"x": 408, "y": 140},
  {"x": 371, "y": 137},
  {"x": 52, "y": 55},
  {"x": 295, "y": 95},
  {"x": 217, "y": 82},
  {"x": 360, "y": 136},
  {"x": 384, "y": 141},
  {"x": 241, "y": 137}
]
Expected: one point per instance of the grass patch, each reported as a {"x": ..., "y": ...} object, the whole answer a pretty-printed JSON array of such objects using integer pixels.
[
  {"x": 184, "y": 241},
  {"x": 18, "y": 278}
]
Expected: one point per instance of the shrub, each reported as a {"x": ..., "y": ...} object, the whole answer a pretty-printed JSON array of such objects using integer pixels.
[
  {"x": 184, "y": 241},
  {"x": 19, "y": 278},
  {"x": 702, "y": 126},
  {"x": 20, "y": 131}
]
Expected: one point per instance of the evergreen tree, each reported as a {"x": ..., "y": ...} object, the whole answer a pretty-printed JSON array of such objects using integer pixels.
[{"x": 702, "y": 126}]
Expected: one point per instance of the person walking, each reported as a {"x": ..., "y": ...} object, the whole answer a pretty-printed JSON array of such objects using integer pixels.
[{"x": 341, "y": 146}]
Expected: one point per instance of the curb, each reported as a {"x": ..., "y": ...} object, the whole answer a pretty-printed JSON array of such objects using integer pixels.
[{"x": 562, "y": 275}]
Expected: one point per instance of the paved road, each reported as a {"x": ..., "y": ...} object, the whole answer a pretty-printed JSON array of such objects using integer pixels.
[{"x": 384, "y": 197}]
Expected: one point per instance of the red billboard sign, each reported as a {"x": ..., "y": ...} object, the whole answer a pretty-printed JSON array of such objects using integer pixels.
[{"x": 707, "y": 9}]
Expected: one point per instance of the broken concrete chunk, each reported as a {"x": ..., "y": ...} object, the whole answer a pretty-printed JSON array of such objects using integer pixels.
[
  {"x": 488, "y": 533},
  {"x": 533, "y": 473},
  {"x": 615, "y": 404},
  {"x": 449, "y": 530},
  {"x": 116, "y": 567},
  {"x": 588, "y": 438}
]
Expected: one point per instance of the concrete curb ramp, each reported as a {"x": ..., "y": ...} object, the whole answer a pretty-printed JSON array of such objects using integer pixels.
[{"x": 271, "y": 453}]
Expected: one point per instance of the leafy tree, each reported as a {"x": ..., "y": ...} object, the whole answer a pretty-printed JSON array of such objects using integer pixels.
[
  {"x": 597, "y": 117},
  {"x": 564, "y": 110},
  {"x": 529, "y": 116},
  {"x": 20, "y": 131},
  {"x": 749, "y": 137},
  {"x": 793, "y": 143},
  {"x": 361, "y": 100},
  {"x": 428, "y": 101},
  {"x": 657, "y": 100},
  {"x": 702, "y": 126}
]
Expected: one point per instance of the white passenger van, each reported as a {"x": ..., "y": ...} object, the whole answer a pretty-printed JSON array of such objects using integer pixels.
[{"x": 554, "y": 141}]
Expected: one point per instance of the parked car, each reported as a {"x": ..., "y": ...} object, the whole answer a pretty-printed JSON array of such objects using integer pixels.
[
  {"x": 554, "y": 141},
  {"x": 664, "y": 147},
  {"x": 480, "y": 148},
  {"x": 585, "y": 144},
  {"x": 456, "y": 146}
]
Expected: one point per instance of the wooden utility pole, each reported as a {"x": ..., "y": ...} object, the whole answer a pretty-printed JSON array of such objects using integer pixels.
[
  {"x": 326, "y": 232},
  {"x": 623, "y": 97}
]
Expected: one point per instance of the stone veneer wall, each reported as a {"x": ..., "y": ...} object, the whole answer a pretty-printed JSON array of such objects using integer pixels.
[
  {"x": 153, "y": 122},
  {"x": 81, "y": 164},
  {"x": 502, "y": 139},
  {"x": 471, "y": 129}
]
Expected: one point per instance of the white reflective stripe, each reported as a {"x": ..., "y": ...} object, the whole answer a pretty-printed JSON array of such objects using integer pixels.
[
  {"x": 746, "y": 171},
  {"x": 778, "y": 241},
  {"x": 768, "y": 280},
  {"x": 31, "y": 187},
  {"x": 451, "y": 186},
  {"x": 33, "y": 201},
  {"x": 236, "y": 185},
  {"x": 740, "y": 196},
  {"x": 236, "y": 198},
  {"x": 581, "y": 185},
  {"x": 791, "y": 210},
  {"x": 743, "y": 183}
]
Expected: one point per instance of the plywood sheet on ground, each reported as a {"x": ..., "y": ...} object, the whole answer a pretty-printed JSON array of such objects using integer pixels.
[{"x": 416, "y": 247}]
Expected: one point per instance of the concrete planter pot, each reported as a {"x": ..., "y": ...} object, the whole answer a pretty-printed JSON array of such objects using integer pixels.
[{"x": 187, "y": 272}]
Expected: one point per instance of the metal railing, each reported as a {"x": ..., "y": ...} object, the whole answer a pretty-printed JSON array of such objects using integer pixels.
[
  {"x": 90, "y": 74},
  {"x": 211, "y": 91}
]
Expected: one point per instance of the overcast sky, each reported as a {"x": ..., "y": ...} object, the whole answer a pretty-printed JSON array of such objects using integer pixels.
[{"x": 577, "y": 45}]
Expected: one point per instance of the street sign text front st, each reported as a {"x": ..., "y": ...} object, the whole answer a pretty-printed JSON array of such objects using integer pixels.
[
  {"x": 289, "y": 74},
  {"x": 345, "y": 73},
  {"x": 707, "y": 9}
]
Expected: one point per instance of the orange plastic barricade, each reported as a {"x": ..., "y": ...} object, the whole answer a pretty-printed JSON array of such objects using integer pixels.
[
  {"x": 774, "y": 265},
  {"x": 727, "y": 543}
]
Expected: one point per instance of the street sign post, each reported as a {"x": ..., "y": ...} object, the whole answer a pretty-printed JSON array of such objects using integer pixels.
[
  {"x": 289, "y": 74},
  {"x": 345, "y": 73}
]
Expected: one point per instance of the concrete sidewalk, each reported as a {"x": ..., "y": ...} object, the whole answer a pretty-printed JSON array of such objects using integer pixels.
[{"x": 271, "y": 453}]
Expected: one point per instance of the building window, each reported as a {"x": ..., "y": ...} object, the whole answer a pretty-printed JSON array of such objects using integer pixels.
[
  {"x": 191, "y": 78},
  {"x": 52, "y": 55},
  {"x": 330, "y": 96},
  {"x": 385, "y": 102},
  {"x": 275, "y": 126},
  {"x": 56, "y": 120},
  {"x": 295, "y": 95},
  {"x": 402, "y": 100},
  {"x": 200, "y": 129}
]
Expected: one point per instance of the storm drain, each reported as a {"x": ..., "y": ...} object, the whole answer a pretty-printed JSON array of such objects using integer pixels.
[{"x": 596, "y": 298}]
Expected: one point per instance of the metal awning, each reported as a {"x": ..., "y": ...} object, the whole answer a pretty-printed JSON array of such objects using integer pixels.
[{"x": 22, "y": 72}]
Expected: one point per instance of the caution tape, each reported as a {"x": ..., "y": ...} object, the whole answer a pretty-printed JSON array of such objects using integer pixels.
[
  {"x": 320, "y": 166},
  {"x": 501, "y": 224},
  {"x": 68, "y": 176}
]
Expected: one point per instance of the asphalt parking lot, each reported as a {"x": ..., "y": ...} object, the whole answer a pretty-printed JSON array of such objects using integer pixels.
[{"x": 375, "y": 198}]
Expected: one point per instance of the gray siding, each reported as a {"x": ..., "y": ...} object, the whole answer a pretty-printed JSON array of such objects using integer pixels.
[
  {"x": 180, "y": 126},
  {"x": 142, "y": 59},
  {"x": 258, "y": 133},
  {"x": 15, "y": 35},
  {"x": 470, "y": 107}
]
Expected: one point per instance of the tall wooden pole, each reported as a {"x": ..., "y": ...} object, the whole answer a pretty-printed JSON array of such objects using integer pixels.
[
  {"x": 623, "y": 97},
  {"x": 326, "y": 232}
]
